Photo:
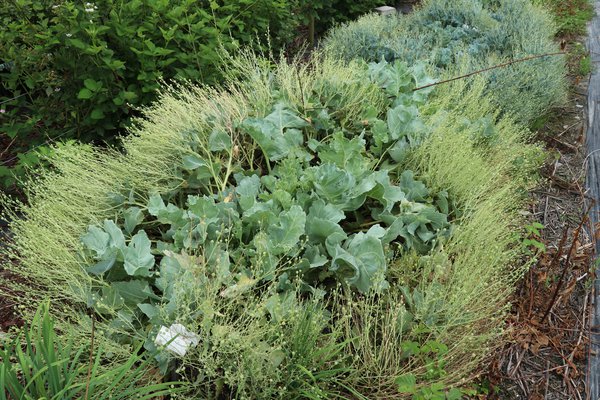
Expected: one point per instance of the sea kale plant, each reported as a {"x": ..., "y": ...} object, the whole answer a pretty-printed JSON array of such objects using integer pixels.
[{"x": 312, "y": 199}]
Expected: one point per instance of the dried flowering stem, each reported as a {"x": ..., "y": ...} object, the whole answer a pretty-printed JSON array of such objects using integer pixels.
[{"x": 505, "y": 64}]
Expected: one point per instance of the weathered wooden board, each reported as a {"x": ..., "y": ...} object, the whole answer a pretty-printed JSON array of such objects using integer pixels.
[{"x": 593, "y": 187}]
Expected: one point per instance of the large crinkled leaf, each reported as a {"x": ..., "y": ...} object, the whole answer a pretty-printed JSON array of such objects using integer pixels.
[
  {"x": 134, "y": 292},
  {"x": 345, "y": 153},
  {"x": 169, "y": 271},
  {"x": 321, "y": 121},
  {"x": 418, "y": 224},
  {"x": 265, "y": 260},
  {"x": 396, "y": 229},
  {"x": 442, "y": 202},
  {"x": 381, "y": 135},
  {"x": 361, "y": 262},
  {"x": 336, "y": 186},
  {"x": 400, "y": 150},
  {"x": 218, "y": 261},
  {"x": 421, "y": 79},
  {"x": 400, "y": 121},
  {"x": 219, "y": 140},
  {"x": 155, "y": 204},
  {"x": 203, "y": 207},
  {"x": 286, "y": 234},
  {"x": 138, "y": 257},
  {"x": 200, "y": 167},
  {"x": 323, "y": 220},
  {"x": 108, "y": 261},
  {"x": 133, "y": 217},
  {"x": 394, "y": 78},
  {"x": 117, "y": 239},
  {"x": 383, "y": 190},
  {"x": 314, "y": 257},
  {"x": 247, "y": 190},
  {"x": 165, "y": 214},
  {"x": 284, "y": 118},
  {"x": 172, "y": 215},
  {"x": 415, "y": 190},
  {"x": 149, "y": 310},
  {"x": 277, "y": 134},
  {"x": 96, "y": 240},
  {"x": 261, "y": 214},
  {"x": 321, "y": 210}
]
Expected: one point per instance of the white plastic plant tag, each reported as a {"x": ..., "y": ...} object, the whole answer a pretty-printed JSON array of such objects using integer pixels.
[{"x": 182, "y": 342}]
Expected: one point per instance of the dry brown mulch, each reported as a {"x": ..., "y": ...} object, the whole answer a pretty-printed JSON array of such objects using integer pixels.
[{"x": 549, "y": 322}]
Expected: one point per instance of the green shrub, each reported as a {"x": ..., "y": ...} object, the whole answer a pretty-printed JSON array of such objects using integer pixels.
[
  {"x": 329, "y": 13},
  {"x": 459, "y": 36},
  {"x": 75, "y": 70}
]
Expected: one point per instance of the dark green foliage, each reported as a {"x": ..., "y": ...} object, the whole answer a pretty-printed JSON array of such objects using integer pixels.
[
  {"x": 79, "y": 70},
  {"x": 571, "y": 16},
  {"x": 328, "y": 13},
  {"x": 75, "y": 70}
]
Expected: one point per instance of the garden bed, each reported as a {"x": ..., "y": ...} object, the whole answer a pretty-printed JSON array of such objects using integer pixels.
[{"x": 341, "y": 227}]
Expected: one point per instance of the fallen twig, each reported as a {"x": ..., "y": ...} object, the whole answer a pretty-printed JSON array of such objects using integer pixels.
[{"x": 567, "y": 261}]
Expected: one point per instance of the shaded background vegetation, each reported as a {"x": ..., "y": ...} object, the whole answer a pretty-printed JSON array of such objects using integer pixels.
[{"x": 71, "y": 70}]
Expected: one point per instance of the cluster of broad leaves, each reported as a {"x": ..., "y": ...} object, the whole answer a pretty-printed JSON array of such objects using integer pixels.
[{"x": 326, "y": 205}]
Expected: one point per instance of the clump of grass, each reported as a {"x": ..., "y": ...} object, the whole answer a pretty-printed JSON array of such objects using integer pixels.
[{"x": 38, "y": 364}]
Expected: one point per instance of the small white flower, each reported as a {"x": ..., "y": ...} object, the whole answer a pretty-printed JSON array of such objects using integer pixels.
[{"x": 69, "y": 34}]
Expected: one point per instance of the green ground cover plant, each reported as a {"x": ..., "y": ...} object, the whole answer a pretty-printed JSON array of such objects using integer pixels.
[
  {"x": 320, "y": 230},
  {"x": 571, "y": 16}
]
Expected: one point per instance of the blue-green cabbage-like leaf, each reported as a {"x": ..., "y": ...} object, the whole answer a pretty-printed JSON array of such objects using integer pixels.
[
  {"x": 133, "y": 217},
  {"x": 278, "y": 134},
  {"x": 286, "y": 234},
  {"x": 247, "y": 190},
  {"x": 346, "y": 154},
  {"x": 96, "y": 240},
  {"x": 361, "y": 261},
  {"x": 323, "y": 220},
  {"x": 138, "y": 257},
  {"x": 117, "y": 239},
  {"x": 219, "y": 140}
]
